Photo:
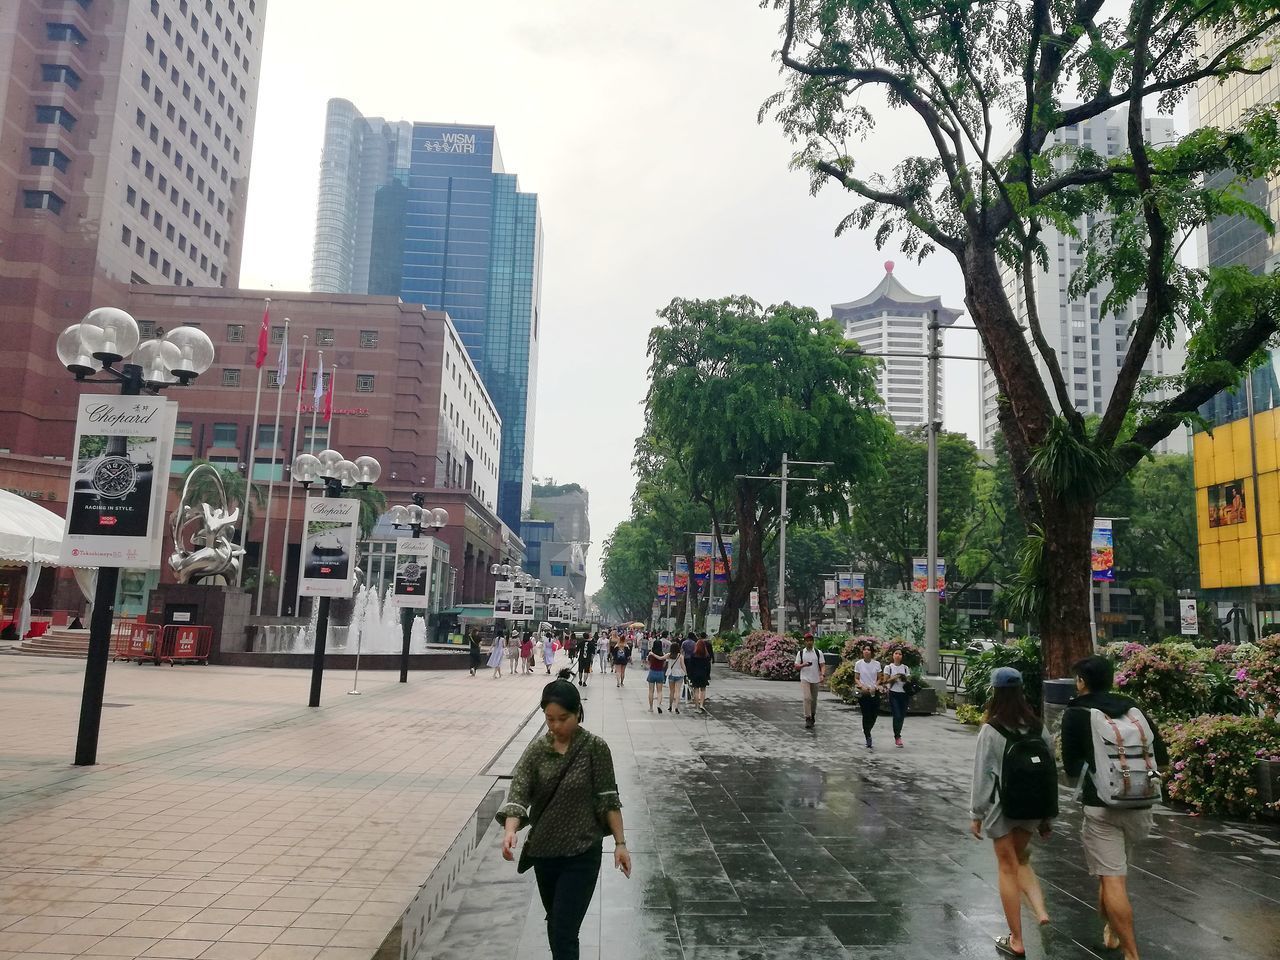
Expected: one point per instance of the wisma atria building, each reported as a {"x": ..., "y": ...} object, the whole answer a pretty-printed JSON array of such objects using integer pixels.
[{"x": 453, "y": 232}]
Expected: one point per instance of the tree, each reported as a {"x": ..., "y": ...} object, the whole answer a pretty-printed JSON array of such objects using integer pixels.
[
  {"x": 373, "y": 504},
  {"x": 631, "y": 554},
  {"x": 967, "y": 72},
  {"x": 732, "y": 387}
]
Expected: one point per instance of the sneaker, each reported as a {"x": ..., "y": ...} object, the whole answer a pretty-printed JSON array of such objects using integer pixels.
[
  {"x": 808, "y": 723},
  {"x": 897, "y": 741},
  {"x": 869, "y": 747},
  {"x": 659, "y": 709}
]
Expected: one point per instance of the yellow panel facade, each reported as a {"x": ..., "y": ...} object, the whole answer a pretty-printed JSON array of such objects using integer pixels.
[
  {"x": 1210, "y": 566},
  {"x": 1264, "y": 430},
  {"x": 1267, "y": 503},
  {"x": 1271, "y": 557},
  {"x": 1241, "y": 464}
]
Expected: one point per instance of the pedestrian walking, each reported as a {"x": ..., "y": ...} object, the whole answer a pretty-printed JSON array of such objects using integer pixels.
[
  {"x": 526, "y": 652},
  {"x": 564, "y": 789},
  {"x": 549, "y": 652},
  {"x": 602, "y": 650},
  {"x": 676, "y": 671},
  {"x": 1015, "y": 794},
  {"x": 586, "y": 653},
  {"x": 495, "y": 655},
  {"x": 657, "y": 675},
  {"x": 1118, "y": 753},
  {"x": 867, "y": 682},
  {"x": 813, "y": 670},
  {"x": 538, "y": 645},
  {"x": 621, "y": 657},
  {"x": 473, "y": 650},
  {"x": 896, "y": 675},
  {"x": 699, "y": 668},
  {"x": 513, "y": 652}
]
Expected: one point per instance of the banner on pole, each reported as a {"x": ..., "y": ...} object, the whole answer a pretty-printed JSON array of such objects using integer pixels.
[
  {"x": 703, "y": 552},
  {"x": 413, "y": 563},
  {"x": 1104, "y": 552},
  {"x": 119, "y": 482},
  {"x": 755, "y": 601},
  {"x": 722, "y": 569},
  {"x": 665, "y": 588},
  {"x": 1189, "y": 617},
  {"x": 681, "y": 574},
  {"x": 329, "y": 547},
  {"x": 502, "y": 600},
  {"x": 920, "y": 576},
  {"x": 858, "y": 589},
  {"x": 828, "y": 594}
]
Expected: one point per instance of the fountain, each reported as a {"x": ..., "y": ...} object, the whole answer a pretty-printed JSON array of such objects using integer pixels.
[{"x": 374, "y": 628}]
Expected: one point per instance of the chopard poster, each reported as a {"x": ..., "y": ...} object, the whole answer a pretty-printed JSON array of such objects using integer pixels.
[
  {"x": 119, "y": 479},
  {"x": 329, "y": 547},
  {"x": 502, "y": 591},
  {"x": 413, "y": 562}
]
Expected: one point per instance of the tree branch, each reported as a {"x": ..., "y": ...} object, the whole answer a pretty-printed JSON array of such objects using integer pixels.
[
  {"x": 1037, "y": 335},
  {"x": 899, "y": 200}
]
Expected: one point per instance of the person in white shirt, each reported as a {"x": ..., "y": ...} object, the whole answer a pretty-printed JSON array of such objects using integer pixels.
[
  {"x": 897, "y": 673},
  {"x": 868, "y": 674},
  {"x": 813, "y": 669}
]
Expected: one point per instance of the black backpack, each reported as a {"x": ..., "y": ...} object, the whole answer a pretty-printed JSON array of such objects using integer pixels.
[{"x": 1028, "y": 782}]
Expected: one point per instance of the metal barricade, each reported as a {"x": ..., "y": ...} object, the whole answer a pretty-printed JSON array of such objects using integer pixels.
[
  {"x": 185, "y": 643},
  {"x": 142, "y": 642},
  {"x": 120, "y": 641},
  {"x": 952, "y": 669}
]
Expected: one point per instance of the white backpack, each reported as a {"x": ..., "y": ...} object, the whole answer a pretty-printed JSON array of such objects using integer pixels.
[{"x": 1124, "y": 762}]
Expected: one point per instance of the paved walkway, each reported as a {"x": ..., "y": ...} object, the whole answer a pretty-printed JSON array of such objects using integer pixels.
[
  {"x": 753, "y": 838},
  {"x": 225, "y": 818}
]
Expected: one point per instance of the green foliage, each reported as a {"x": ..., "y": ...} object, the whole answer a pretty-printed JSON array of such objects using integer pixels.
[
  {"x": 373, "y": 504},
  {"x": 1023, "y": 655},
  {"x": 969, "y": 714},
  {"x": 726, "y": 642},
  {"x": 843, "y": 682},
  {"x": 1214, "y": 762}
]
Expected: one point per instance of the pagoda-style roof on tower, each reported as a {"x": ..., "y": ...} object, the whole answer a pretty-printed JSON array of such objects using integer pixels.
[{"x": 889, "y": 295}]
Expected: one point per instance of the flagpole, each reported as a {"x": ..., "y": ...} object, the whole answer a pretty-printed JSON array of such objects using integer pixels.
[
  {"x": 281, "y": 366},
  {"x": 315, "y": 398},
  {"x": 306, "y": 494},
  {"x": 253, "y": 450},
  {"x": 288, "y": 513}
]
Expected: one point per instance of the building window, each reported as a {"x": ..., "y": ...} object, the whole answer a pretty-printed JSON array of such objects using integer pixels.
[
  {"x": 64, "y": 32},
  {"x": 267, "y": 435},
  {"x": 277, "y": 334},
  {"x": 42, "y": 200},
  {"x": 59, "y": 115},
  {"x": 364, "y": 383},
  {"x": 324, "y": 336},
  {"x": 368, "y": 339},
  {"x": 230, "y": 378},
  {"x": 316, "y": 438},
  {"x": 224, "y": 434},
  {"x": 557, "y": 569},
  {"x": 273, "y": 378},
  {"x": 49, "y": 157},
  {"x": 182, "y": 433},
  {"x": 235, "y": 333},
  {"x": 58, "y": 73}
]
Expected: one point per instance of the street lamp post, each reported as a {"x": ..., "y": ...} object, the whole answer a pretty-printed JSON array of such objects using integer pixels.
[
  {"x": 338, "y": 475},
  {"x": 415, "y": 517},
  {"x": 104, "y": 338}
]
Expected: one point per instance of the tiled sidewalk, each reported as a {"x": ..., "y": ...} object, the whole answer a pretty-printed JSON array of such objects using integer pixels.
[
  {"x": 226, "y": 819},
  {"x": 755, "y": 839}
]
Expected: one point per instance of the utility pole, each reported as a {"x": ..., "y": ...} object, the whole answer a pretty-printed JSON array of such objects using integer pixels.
[{"x": 931, "y": 598}]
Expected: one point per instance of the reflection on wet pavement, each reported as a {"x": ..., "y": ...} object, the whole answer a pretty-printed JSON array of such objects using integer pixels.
[{"x": 754, "y": 838}]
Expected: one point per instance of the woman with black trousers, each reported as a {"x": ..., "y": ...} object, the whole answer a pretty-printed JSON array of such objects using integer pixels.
[{"x": 564, "y": 787}]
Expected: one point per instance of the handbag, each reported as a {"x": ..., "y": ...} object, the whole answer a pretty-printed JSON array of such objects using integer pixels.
[{"x": 525, "y": 861}]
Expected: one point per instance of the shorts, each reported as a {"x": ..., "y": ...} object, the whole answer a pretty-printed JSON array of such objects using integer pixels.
[
  {"x": 675, "y": 678},
  {"x": 657, "y": 676},
  {"x": 1109, "y": 836}
]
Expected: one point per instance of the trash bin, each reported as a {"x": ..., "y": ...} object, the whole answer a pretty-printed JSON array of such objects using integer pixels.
[{"x": 1057, "y": 693}]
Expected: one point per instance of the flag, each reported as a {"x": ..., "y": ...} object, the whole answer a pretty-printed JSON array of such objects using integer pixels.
[
  {"x": 319, "y": 391},
  {"x": 302, "y": 373},
  {"x": 264, "y": 334},
  {"x": 328, "y": 399},
  {"x": 282, "y": 360}
]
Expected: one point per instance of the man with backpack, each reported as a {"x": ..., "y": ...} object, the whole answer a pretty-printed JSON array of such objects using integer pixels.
[{"x": 1117, "y": 753}]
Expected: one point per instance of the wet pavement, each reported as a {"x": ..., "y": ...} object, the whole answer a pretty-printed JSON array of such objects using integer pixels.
[{"x": 754, "y": 838}]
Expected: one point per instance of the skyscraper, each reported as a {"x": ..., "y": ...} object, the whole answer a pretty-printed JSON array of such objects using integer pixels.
[
  {"x": 1090, "y": 346},
  {"x": 892, "y": 319},
  {"x": 126, "y": 131},
  {"x": 453, "y": 232}
]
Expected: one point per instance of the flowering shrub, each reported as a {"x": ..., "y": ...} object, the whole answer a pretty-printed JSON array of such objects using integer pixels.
[
  {"x": 853, "y": 646},
  {"x": 1224, "y": 653},
  {"x": 1166, "y": 682},
  {"x": 842, "y": 682},
  {"x": 969, "y": 715},
  {"x": 1213, "y": 763},
  {"x": 770, "y": 656},
  {"x": 1187, "y": 649},
  {"x": 1258, "y": 678},
  {"x": 726, "y": 642}
]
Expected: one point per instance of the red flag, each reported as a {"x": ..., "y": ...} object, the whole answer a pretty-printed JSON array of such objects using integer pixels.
[
  {"x": 328, "y": 398},
  {"x": 263, "y": 337},
  {"x": 302, "y": 374}
]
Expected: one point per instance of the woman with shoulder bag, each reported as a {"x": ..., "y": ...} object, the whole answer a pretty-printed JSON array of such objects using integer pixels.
[
  {"x": 564, "y": 788},
  {"x": 676, "y": 671},
  {"x": 657, "y": 675},
  {"x": 898, "y": 675}
]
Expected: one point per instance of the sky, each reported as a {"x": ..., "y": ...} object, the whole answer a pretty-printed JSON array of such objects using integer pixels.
[{"x": 636, "y": 126}]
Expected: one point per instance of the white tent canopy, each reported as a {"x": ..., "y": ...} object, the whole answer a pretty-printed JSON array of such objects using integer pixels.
[{"x": 31, "y": 536}]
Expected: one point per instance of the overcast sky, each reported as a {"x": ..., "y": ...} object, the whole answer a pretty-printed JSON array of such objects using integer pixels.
[{"x": 636, "y": 126}]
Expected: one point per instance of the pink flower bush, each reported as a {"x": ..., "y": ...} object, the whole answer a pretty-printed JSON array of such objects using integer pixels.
[
  {"x": 1224, "y": 652},
  {"x": 1258, "y": 679},
  {"x": 770, "y": 656},
  {"x": 1214, "y": 762},
  {"x": 1166, "y": 682},
  {"x": 853, "y": 646}
]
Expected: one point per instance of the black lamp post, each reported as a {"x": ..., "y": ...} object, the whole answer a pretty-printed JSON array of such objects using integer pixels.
[
  {"x": 415, "y": 517},
  {"x": 105, "y": 337},
  {"x": 338, "y": 475}
]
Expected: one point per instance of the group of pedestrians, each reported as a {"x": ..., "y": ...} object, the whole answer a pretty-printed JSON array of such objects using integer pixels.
[
  {"x": 872, "y": 680},
  {"x": 524, "y": 652}
]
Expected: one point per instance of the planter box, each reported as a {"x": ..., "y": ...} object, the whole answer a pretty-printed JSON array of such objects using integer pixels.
[
  {"x": 721, "y": 657},
  {"x": 1268, "y": 774},
  {"x": 833, "y": 660},
  {"x": 924, "y": 703}
]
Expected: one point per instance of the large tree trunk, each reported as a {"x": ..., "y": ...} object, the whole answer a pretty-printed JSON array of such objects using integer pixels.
[{"x": 1064, "y": 622}]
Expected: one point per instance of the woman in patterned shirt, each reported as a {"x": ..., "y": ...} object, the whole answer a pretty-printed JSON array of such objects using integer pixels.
[{"x": 565, "y": 787}]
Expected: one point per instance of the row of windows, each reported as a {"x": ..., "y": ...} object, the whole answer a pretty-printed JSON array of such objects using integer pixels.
[
  {"x": 365, "y": 382},
  {"x": 154, "y": 258},
  {"x": 180, "y": 42},
  {"x": 167, "y": 148},
  {"x": 170, "y": 233},
  {"x": 228, "y": 435},
  {"x": 55, "y": 32},
  {"x": 194, "y": 215}
]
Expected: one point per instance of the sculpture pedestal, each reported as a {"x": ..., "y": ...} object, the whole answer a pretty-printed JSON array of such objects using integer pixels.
[{"x": 224, "y": 609}]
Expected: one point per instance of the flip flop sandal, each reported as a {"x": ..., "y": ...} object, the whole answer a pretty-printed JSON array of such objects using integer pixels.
[{"x": 1002, "y": 944}]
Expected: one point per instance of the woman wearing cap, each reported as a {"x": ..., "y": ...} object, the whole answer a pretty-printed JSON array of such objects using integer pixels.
[
  {"x": 564, "y": 789},
  {"x": 1008, "y": 717}
]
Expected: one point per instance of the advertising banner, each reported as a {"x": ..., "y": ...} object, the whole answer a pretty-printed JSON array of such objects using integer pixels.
[
  {"x": 828, "y": 595},
  {"x": 703, "y": 551},
  {"x": 553, "y": 609},
  {"x": 119, "y": 482},
  {"x": 1104, "y": 552},
  {"x": 920, "y": 577},
  {"x": 1189, "y": 618},
  {"x": 755, "y": 601},
  {"x": 858, "y": 589},
  {"x": 502, "y": 600},
  {"x": 664, "y": 585},
  {"x": 681, "y": 572},
  {"x": 723, "y": 570},
  {"x": 413, "y": 563},
  {"x": 329, "y": 547},
  {"x": 522, "y": 603}
]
